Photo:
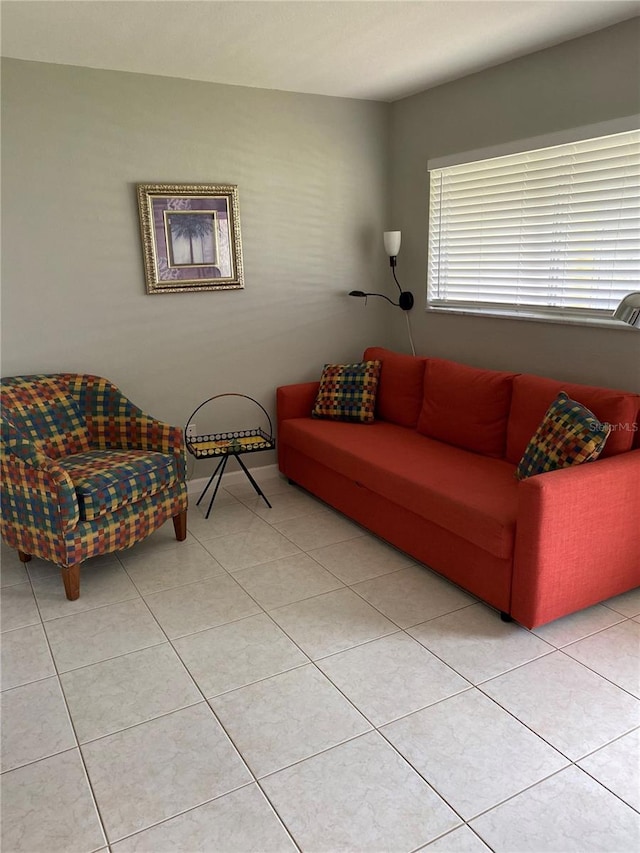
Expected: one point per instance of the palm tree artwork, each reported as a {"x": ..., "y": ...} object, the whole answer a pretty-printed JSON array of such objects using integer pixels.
[{"x": 192, "y": 227}]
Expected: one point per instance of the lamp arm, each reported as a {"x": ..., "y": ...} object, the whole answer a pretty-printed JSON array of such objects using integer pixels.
[
  {"x": 395, "y": 278},
  {"x": 361, "y": 293},
  {"x": 382, "y": 296}
]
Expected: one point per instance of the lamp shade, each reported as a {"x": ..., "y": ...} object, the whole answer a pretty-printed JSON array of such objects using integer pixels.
[
  {"x": 629, "y": 310},
  {"x": 392, "y": 242}
]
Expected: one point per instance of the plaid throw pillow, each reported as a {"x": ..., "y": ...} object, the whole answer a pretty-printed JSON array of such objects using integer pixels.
[
  {"x": 348, "y": 392},
  {"x": 568, "y": 435}
]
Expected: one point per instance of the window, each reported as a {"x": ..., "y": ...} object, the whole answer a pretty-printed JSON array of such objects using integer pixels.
[{"x": 551, "y": 233}]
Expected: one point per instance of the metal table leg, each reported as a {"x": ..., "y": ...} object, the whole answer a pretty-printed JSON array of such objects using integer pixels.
[{"x": 252, "y": 481}]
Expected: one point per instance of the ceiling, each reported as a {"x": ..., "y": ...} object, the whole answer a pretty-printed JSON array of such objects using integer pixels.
[{"x": 379, "y": 49}]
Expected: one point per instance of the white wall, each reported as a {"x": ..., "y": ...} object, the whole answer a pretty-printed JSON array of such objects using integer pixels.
[
  {"x": 313, "y": 184},
  {"x": 584, "y": 81}
]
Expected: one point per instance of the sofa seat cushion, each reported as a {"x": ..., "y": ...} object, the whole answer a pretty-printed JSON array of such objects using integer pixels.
[
  {"x": 106, "y": 480},
  {"x": 532, "y": 396},
  {"x": 472, "y": 496}
]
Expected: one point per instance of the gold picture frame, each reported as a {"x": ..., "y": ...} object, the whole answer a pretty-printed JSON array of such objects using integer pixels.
[{"x": 190, "y": 237}]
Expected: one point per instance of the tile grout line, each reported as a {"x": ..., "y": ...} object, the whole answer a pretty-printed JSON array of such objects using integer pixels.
[
  {"x": 323, "y": 675},
  {"x": 220, "y": 723},
  {"x": 367, "y": 532},
  {"x": 457, "y": 671},
  {"x": 571, "y": 762},
  {"x": 377, "y": 729},
  {"x": 605, "y": 745},
  {"x": 374, "y": 728},
  {"x": 306, "y": 552},
  {"x": 224, "y": 728},
  {"x": 626, "y": 616},
  {"x": 585, "y": 636},
  {"x": 160, "y": 716},
  {"x": 78, "y": 746},
  {"x": 115, "y": 657},
  {"x": 552, "y": 649},
  {"x": 193, "y": 808},
  {"x": 73, "y": 729},
  {"x": 242, "y": 618},
  {"x": 180, "y": 814},
  {"x": 173, "y": 711},
  {"x": 545, "y": 779},
  {"x": 423, "y": 847},
  {"x": 595, "y": 672},
  {"x": 355, "y": 737},
  {"x": 88, "y": 610},
  {"x": 362, "y": 580},
  {"x": 599, "y": 782},
  {"x": 518, "y": 793}
]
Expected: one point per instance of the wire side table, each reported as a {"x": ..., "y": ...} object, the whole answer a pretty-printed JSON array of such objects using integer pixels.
[{"x": 223, "y": 445}]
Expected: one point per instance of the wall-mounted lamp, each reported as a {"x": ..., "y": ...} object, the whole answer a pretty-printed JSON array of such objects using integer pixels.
[
  {"x": 629, "y": 310},
  {"x": 392, "y": 247},
  {"x": 392, "y": 240},
  {"x": 405, "y": 300}
]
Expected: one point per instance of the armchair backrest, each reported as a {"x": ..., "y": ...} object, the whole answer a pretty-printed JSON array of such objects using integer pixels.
[{"x": 43, "y": 410}]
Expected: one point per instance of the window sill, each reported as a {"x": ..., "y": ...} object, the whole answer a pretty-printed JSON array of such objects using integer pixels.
[{"x": 535, "y": 317}]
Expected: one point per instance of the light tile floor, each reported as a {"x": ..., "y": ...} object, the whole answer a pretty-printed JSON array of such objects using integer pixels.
[{"x": 284, "y": 680}]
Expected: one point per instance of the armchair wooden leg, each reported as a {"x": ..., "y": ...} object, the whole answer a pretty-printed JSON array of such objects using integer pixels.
[
  {"x": 180, "y": 525},
  {"x": 71, "y": 580},
  {"x": 24, "y": 558}
]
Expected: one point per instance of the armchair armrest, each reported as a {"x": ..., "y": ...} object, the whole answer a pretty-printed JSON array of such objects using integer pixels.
[
  {"x": 296, "y": 401},
  {"x": 15, "y": 444},
  {"x": 577, "y": 538},
  {"x": 114, "y": 422},
  {"x": 37, "y": 495}
]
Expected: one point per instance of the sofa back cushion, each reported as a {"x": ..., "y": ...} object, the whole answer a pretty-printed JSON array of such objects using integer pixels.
[
  {"x": 532, "y": 396},
  {"x": 44, "y": 410},
  {"x": 400, "y": 386},
  {"x": 466, "y": 406}
]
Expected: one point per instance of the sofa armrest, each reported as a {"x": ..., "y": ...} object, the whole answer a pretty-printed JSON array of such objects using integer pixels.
[
  {"x": 296, "y": 401},
  {"x": 577, "y": 538},
  {"x": 37, "y": 495},
  {"x": 114, "y": 422}
]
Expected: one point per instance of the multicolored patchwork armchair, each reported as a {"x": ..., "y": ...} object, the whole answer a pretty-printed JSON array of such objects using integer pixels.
[{"x": 84, "y": 471}]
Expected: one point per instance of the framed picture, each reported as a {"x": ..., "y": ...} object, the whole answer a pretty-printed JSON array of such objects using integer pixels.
[{"x": 190, "y": 237}]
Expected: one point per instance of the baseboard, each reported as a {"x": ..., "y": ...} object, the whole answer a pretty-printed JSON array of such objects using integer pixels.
[{"x": 233, "y": 478}]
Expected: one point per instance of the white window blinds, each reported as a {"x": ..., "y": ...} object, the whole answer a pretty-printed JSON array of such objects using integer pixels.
[{"x": 552, "y": 232}]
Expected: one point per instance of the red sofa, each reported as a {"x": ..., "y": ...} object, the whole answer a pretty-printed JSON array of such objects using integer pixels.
[{"x": 434, "y": 476}]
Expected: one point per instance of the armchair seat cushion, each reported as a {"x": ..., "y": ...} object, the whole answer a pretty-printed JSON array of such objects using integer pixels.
[{"x": 106, "y": 480}]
